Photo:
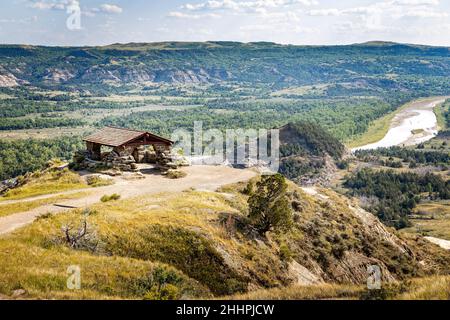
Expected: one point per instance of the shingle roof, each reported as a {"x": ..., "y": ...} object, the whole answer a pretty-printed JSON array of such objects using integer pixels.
[{"x": 115, "y": 137}]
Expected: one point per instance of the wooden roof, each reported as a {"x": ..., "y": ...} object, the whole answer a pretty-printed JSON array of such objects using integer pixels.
[{"x": 116, "y": 137}]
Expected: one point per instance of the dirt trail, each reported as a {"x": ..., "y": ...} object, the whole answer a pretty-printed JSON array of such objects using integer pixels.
[{"x": 199, "y": 177}]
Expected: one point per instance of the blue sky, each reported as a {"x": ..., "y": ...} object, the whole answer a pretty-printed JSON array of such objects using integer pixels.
[{"x": 102, "y": 22}]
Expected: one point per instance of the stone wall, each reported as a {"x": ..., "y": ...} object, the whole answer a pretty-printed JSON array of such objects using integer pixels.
[{"x": 126, "y": 158}]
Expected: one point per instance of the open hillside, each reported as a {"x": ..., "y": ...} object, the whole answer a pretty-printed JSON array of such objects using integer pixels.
[{"x": 200, "y": 244}]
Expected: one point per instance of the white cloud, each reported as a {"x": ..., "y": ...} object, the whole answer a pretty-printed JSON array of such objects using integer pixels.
[
  {"x": 21, "y": 21},
  {"x": 325, "y": 12},
  {"x": 53, "y": 5},
  {"x": 417, "y": 2},
  {"x": 110, "y": 8},
  {"x": 388, "y": 9},
  {"x": 243, "y": 6},
  {"x": 423, "y": 14},
  {"x": 64, "y": 4},
  {"x": 182, "y": 15}
]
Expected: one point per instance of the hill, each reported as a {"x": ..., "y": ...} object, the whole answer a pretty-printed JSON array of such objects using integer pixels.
[{"x": 309, "y": 153}]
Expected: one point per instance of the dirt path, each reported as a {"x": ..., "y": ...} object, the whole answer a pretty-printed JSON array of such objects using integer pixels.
[{"x": 199, "y": 177}]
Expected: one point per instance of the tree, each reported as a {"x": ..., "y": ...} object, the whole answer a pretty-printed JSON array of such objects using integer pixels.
[{"x": 269, "y": 206}]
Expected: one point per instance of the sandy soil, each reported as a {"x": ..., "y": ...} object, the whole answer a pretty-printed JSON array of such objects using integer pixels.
[
  {"x": 208, "y": 178},
  {"x": 418, "y": 116}
]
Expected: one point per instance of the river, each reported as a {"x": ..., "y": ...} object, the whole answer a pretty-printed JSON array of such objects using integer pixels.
[{"x": 412, "y": 125}]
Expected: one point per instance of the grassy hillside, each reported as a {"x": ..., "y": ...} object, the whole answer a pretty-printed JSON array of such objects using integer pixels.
[{"x": 205, "y": 247}]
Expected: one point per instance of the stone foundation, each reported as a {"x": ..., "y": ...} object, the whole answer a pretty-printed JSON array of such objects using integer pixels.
[{"x": 126, "y": 158}]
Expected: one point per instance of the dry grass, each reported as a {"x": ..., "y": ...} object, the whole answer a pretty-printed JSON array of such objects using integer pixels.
[
  {"x": 4, "y": 96},
  {"x": 42, "y": 273},
  {"x": 8, "y": 209},
  {"x": 47, "y": 183},
  {"x": 430, "y": 288},
  {"x": 33, "y": 262},
  {"x": 316, "y": 292},
  {"x": 97, "y": 181},
  {"x": 185, "y": 230},
  {"x": 176, "y": 174},
  {"x": 113, "y": 197},
  {"x": 47, "y": 133}
]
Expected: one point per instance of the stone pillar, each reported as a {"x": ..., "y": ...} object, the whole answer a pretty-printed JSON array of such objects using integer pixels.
[{"x": 95, "y": 150}]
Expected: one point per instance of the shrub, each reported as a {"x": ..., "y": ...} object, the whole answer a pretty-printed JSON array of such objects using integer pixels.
[
  {"x": 249, "y": 188},
  {"x": 165, "y": 284},
  {"x": 176, "y": 174},
  {"x": 285, "y": 253},
  {"x": 343, "y": 165},
  {"x": 112, "y": 197},
  {"x": 97, "y": 181}
]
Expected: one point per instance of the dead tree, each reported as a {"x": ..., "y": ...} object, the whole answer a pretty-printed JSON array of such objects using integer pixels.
[{"x": 81, "y": 239}]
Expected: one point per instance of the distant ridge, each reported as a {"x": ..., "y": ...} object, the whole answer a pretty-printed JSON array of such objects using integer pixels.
[{"x": 221, "y": 62}]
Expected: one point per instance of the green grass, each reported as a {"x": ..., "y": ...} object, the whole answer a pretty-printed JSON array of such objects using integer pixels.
[{"x": 440, "y": 111}]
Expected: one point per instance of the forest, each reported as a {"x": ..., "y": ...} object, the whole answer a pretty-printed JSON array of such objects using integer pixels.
[
  {"x": 393, "y": 196},
  {"x": 22, "y": 156},
  {"x": 407, "y": 155}
]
